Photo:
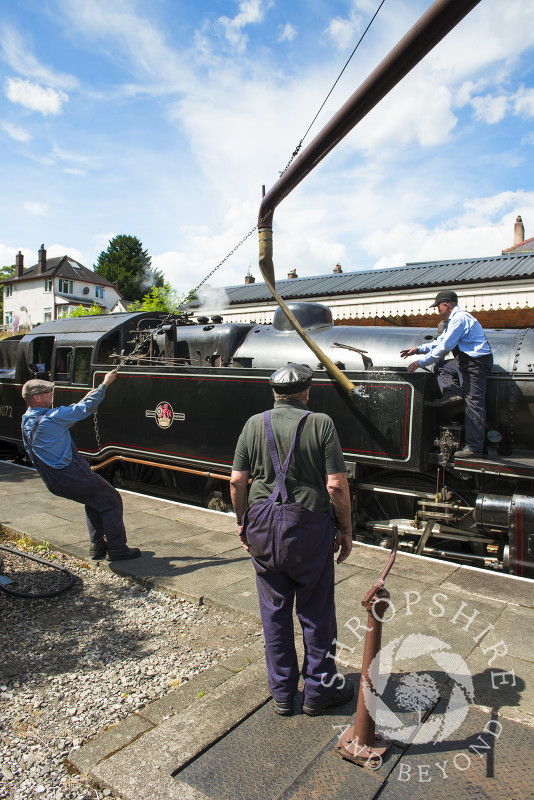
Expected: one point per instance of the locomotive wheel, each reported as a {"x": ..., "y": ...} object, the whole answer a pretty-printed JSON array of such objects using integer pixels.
[
  {"x": 217, "y": 504},
  {"x": 129, "y": 473}
]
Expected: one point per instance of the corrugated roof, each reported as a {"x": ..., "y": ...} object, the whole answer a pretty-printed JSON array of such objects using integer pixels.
[{"x": 512, "y": 267}]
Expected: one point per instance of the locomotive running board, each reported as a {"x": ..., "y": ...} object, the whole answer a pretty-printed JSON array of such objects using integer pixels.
[{"x": 501, "y": 466}]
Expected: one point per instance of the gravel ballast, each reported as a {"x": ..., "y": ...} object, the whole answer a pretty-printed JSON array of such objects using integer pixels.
[{"x": 75, "y": 664}]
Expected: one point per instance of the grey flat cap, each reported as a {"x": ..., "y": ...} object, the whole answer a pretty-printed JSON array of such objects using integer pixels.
[
  {"x": 445, "y": 297},
  {"x": 36, "y": 386},
  {"x": 291, "y": 379}
]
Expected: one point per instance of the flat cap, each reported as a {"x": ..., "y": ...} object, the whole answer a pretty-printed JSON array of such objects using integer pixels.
[
  {"x": 445, "y": 297},
  {"x": 291, "y": 379},
  {"x": 35, "y": 386}
]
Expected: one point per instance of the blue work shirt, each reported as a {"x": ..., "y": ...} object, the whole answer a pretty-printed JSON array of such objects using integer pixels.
[
  {"x": 52, "y": 442},
  {"x": 462, "y": 331}
]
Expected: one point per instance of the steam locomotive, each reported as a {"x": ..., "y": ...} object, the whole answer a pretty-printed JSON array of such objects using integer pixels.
[{"x": 184, "y": 389}]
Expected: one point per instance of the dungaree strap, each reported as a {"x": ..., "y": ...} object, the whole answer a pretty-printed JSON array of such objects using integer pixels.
[
  {"x": 281, "y": 472},
  {"x": 28, "y": 441}
]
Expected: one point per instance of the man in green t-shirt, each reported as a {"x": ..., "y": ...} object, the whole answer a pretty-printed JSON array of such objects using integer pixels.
[{"x": 286, "y": 524}]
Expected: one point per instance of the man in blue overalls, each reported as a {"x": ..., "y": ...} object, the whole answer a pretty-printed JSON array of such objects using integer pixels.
[
  {"x": 47, "y": 439},
  {"x": 287, "y": 526}
]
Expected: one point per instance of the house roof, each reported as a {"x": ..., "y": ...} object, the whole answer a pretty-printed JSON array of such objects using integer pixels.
[
  {"x": 62, "y": 267},
  {"x": 466, "y": 271},
  {"x": 523, "y": 247},
  {"x": 124, "y": 302},
  {"x": 84, "y": 301}
]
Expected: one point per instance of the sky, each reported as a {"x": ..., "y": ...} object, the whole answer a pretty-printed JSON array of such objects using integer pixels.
[{"x": 163, "y": 120}]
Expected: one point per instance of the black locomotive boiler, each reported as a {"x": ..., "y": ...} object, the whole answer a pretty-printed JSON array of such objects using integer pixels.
[{"x": 171, "y": 420}]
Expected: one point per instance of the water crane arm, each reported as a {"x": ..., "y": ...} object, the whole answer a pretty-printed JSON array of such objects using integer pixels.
[{"x": 431, "y": 28}]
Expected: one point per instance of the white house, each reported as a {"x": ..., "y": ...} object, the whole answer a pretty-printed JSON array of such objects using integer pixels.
[
  {"x": 51, "y": 289},
  {"x": 121, "y": 306}
]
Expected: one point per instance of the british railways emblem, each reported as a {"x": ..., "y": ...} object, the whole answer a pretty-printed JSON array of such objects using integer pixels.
[{"x": 164, "y": 415}]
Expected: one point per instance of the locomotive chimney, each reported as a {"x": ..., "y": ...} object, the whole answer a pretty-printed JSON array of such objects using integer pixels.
[
  {"x": 292, "y": 274},
  {"x": 42, "y": 260},
  {"x": 337, "y": 270},
  {"x": 249, "y": 278},
  {"x": 19, "y": 261},
  {"x": 519, "y": 232}
]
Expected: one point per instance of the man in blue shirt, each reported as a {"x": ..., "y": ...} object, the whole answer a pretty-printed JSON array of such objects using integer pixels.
[
  {"x": 466, "y": 339},
  {"x": 47, "y": 439}
]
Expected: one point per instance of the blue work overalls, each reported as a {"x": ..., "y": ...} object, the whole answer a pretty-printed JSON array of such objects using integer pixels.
[
  {"x": 292, "y": 553},
  {"x": 77, "y": 481}
]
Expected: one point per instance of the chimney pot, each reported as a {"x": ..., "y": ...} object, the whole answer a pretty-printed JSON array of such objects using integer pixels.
[
  {"x": 250, "y": 278},
  {"x": 19, "y": 261},
  {"x": 292, "y": 274},
  {"x": 337, "y": 270},
  {"x": 42, "y": 260},
  {"x": 519, "y": 231}
]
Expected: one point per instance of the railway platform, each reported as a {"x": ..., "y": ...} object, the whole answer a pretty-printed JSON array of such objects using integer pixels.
[{"x": 455, "y": 696}]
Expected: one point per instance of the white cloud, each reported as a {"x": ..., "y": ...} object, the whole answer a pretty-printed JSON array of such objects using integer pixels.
[
  {"x": 343, "y": 31},
  {"x": 288, "y": 33},
  {"x": 8, "y": 253},
  {"x": 494, "y": 108},
  {"x": 58, "y": 250},
  {"x": 16, "y": 133},
  {"x": 136, "y": 36},
  {"x": 497, "y": 31},
  {"x": 102, "y": 240},
  {"x": 39, "y": 209},
  {"x": 251, "y": 12},
  {"x": 418, "y": 110},
  {"x": 524, "y": 102},
  {"x": 15, "y": 53},
  {"x": 490, "y": 109},
  {"x": 75, "y": 160},
  {"x": 485, "y": 228},
  {"x": 48, "y": 102}
]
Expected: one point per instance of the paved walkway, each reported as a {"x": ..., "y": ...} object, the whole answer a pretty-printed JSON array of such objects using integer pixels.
[{"x": 448, "y": 626}]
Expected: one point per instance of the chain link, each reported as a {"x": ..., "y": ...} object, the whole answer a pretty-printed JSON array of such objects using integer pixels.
[
  {"x": 97, "y": 434},
  {"x": 294, "y": 154},
  {"x": 238, "y": 245}
]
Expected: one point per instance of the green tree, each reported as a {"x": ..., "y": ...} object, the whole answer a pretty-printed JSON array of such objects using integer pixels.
[
  {"x": 159, "y": 298},
  {"x": 81, "y": 311},
  {"x": 5, "y": 272},
  {"x": 128, "y": 266}
]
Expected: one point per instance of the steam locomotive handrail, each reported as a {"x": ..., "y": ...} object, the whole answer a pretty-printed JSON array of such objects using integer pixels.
[
  {"x": 204, "y": 473},
  {"x": 431, "y": 28}
]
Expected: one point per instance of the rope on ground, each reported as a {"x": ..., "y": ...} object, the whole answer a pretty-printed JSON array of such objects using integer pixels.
[{"x": 5, "y": 581}]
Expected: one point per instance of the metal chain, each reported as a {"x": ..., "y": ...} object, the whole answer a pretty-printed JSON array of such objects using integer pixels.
[
  {"x": 190, "y": 294},
  {"x": 238, "y": 245},
  {"x": 97, "y": 434},
  {"x": 294, "y": 154}
]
